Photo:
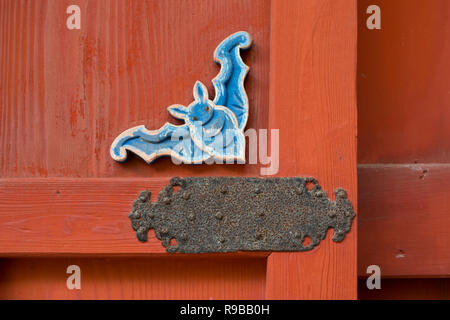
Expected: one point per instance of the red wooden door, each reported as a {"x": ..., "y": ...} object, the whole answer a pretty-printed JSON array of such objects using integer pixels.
[
  {"x": 66, "y": 94},
  {"x": 403, "y": 149}
]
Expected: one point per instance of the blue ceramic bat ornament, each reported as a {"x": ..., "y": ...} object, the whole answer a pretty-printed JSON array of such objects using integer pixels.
[{"x": 213, "y": 129}]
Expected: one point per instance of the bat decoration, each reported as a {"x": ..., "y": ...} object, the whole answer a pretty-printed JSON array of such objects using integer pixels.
[{"x": 212, "y": 129}]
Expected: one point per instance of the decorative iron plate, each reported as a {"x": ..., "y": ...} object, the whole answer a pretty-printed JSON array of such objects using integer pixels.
[{"x": 227, "y": 214}]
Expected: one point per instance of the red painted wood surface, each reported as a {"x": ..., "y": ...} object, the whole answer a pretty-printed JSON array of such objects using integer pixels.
[
  {"x": 404, "y": 219},
  {"x": 407, "y": 289},
  {"x": 84, "y": 215},
  {"x": 134, "y": 278},
  {"x": 403, "y": 77},
  {"x": 87, "y": 216},
  {"x": 403, "y": 147},
  {"x": 313, "y": 103},
  {"x": 389, "y": 196},
  {"x": 67, "y": 94}
]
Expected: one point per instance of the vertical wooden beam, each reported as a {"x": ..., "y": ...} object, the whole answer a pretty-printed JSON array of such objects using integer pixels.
[{"x": 313, "y": 104}]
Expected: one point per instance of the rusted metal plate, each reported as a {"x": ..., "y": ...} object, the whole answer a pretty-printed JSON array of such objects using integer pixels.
[{"x": 227, "y": 214}]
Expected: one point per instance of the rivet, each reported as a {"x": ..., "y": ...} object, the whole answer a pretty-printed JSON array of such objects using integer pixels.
[
  {"x": 219, "y": 216},
  {"x": 164, "y": 230},
  {"x": 191, "y": 216},
  {"x": 340, "y": 193},
  {"x": 184, "y": 236},
  {"x": 223, "y": 190},
  {"x": 186, "y": 195},
  {"x": 259, "y": 236},
  {"x": 299, "y": 190},
  {"x": 144, "y": 196},
  {"x": 332, "y": 213},
  {"x": 142, "y": 230},
  {"x": 166, "y": 200},
  {"x": 135, "y": 215},
  {"x": 258, "y": 190},
  {"x": 297, "y": 235}
]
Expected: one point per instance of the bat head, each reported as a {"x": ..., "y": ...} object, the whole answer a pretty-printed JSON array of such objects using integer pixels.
[{"x": 201, "y": 110}]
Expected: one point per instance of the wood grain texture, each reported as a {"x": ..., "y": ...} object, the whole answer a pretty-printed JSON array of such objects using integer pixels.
[
  {"x": 313, "y": 103},
  {"x": 404, "y": 219},
  {"x": 403, "y": 83},
  {"x": 134, "y": 278},
  {"x": 403, "y": 115},
  {"x": 74, "y": 216},
  {"x": 66, "y": 94}
]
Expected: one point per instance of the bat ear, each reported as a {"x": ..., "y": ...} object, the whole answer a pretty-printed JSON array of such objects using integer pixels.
[
  {"x": 200, "y": 92},
  {"x": 178, "y": 111}
]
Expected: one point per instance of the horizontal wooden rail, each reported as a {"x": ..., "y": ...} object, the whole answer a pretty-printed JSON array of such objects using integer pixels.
[
  {"x": 404, "y": 219},
  {"x": 74, "y": 216}
]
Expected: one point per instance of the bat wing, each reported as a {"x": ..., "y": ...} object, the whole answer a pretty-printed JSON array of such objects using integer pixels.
[
  {"x": 170, "y": 140},
  {"x": 229, "y": 83}
]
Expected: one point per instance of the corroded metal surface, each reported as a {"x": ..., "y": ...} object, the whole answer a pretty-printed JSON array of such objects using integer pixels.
[{"x": 226, "y": 214}]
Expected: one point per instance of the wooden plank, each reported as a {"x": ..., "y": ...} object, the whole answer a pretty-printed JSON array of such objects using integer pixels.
[
  {"x": 403, "y": 100},
  {"x": 134, "y": 278},
  {"x": 404, "y": 220},
  {"x": 66, "y": 94},
  {"x": 313, "y": 103},
  {"x": 75, "y": 217},
  {"x": 389, "y": 196},
  {"x": 406, "y": 289},
  {"x": 72, "y": 216}
]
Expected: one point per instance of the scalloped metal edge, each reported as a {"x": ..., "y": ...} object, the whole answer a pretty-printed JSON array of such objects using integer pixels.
[{"x": 228, "y": 214}]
